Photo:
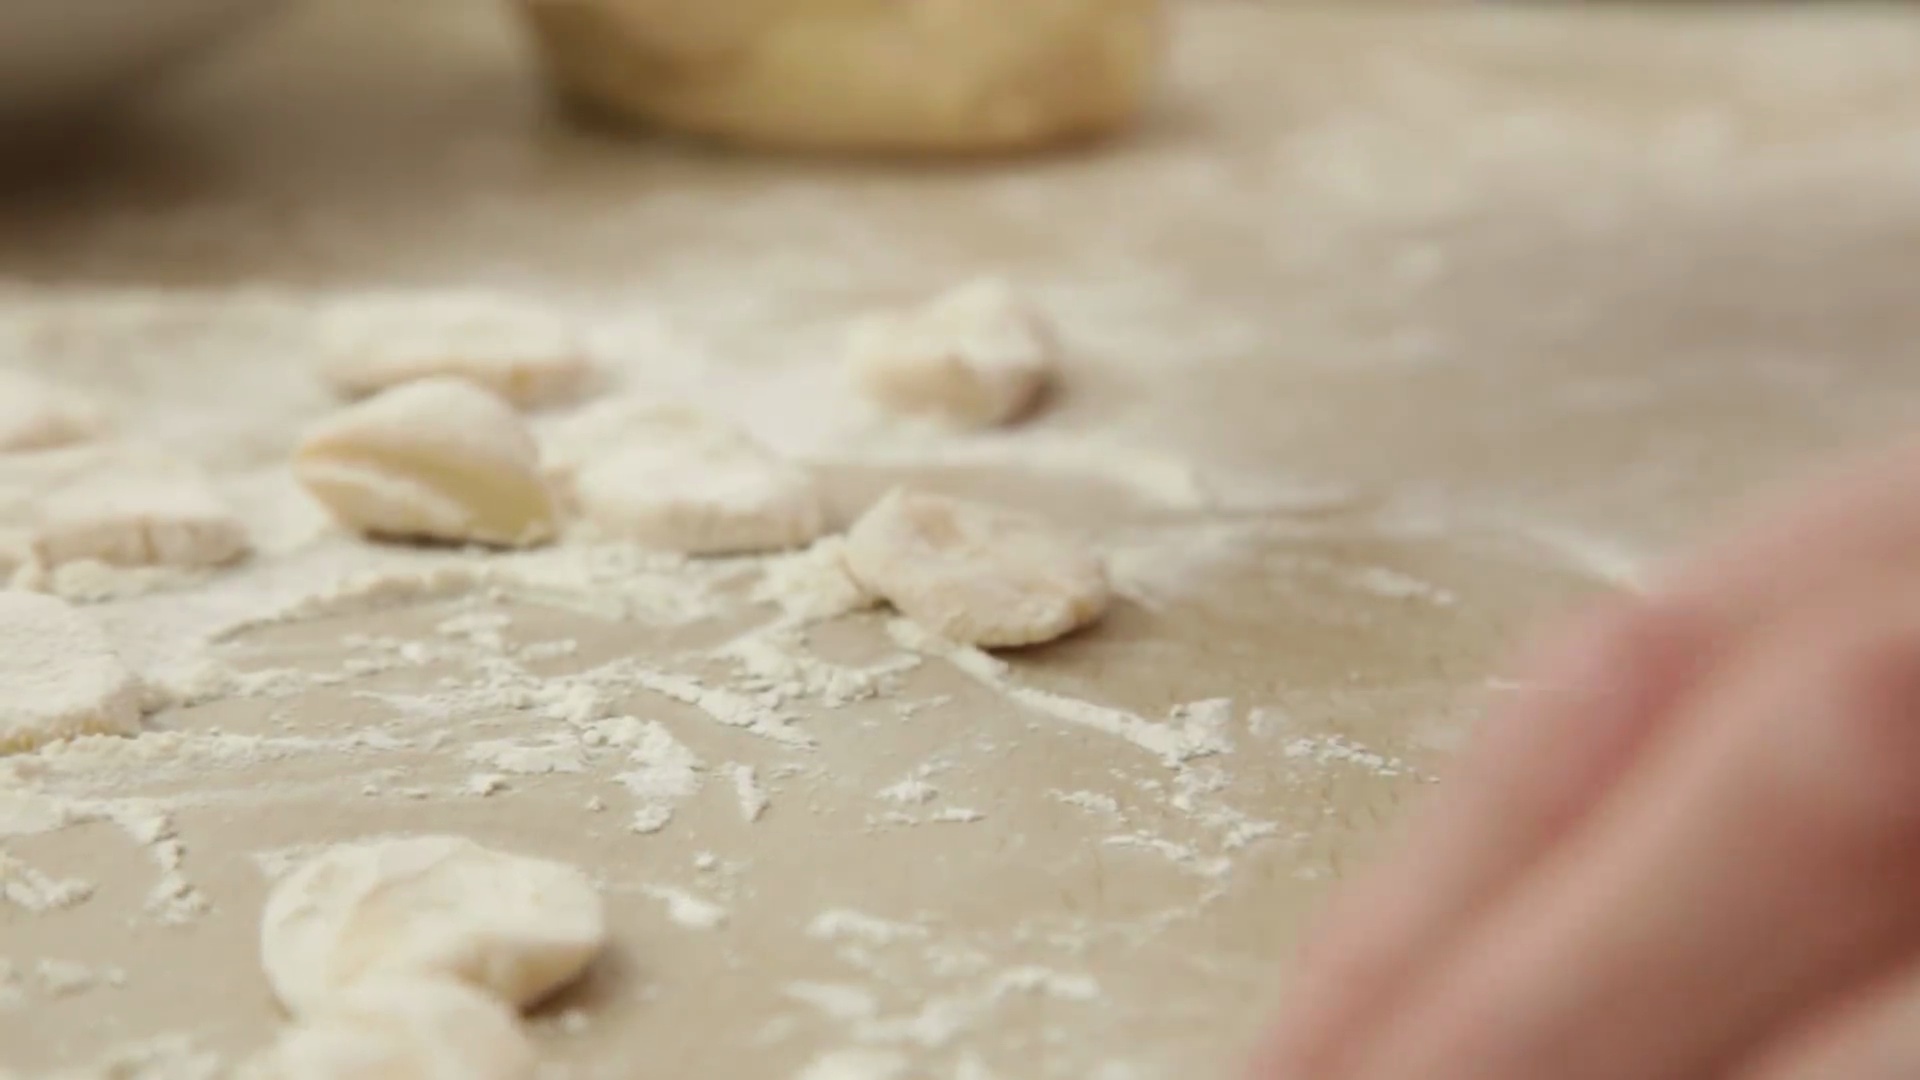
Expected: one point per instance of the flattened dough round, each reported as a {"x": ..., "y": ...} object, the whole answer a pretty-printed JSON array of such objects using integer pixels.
[
  {"x": 974, "y": 357},
  {"x": 428, "y": 906},
  {"x": 974, "y": 573},
  {"x": 138, "y": 508},
  {"x": 59, "y": 675},
  {"x": 402, "y": 1029},
  {"x": 679, "y": 480},
  {"x": 927, "y": 76}
]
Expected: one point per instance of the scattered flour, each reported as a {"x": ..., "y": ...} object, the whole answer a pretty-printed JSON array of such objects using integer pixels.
[
  {"x": 856, "y": 1064},
  {"x": 837, "y": 1001},
  {"x": 1192, "y": 731},
  {"x": 843, "y": 924},
  {"x": 666, "y": 773},
  {"x": 687, "y": 909},
  {"x": 913, "y": 791},
  {"x": 752, "y": 797}
]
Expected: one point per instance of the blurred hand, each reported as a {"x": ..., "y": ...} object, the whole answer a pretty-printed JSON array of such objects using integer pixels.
[{"x": 1688, "y": 847}]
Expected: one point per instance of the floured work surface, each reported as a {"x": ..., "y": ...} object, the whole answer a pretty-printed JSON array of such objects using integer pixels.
[{"x": 1392, "y": 332}]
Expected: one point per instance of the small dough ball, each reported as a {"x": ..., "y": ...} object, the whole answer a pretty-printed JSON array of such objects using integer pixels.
[
  {"x": 679, "y": 480},
  {"x": 526, "y": 355},
  {"x": 402, "y": 1029},
  {"x": 436, "y": 459},
  {"x": 141, "y": 510},
  {"x": 428, "y": 906},
  {"x": 976, "y": 574},
  {"x": 59, "y": 676},
  {"x": 38, "y": 415},
  {"x": 931, "y": 76},
  {"x": 975, "y": 357}
]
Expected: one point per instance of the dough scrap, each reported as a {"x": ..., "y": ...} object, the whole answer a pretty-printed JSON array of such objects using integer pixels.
[
  {"x": 527, "y": 355},
  {"x": 975, "y": 357},
  {"x": 138, "y": 509},
  {"x": 59, "y": 675},
  {"x": 974, "y": 573},
  {"x": 428, "y": 906},
  {"x": 931, "y": 76},
  {"x": 401, "y": 1029},
  {"x": 38, "y": 415},
  {"x": 679, "y": 480},
  {"x": 435, "y": 459}
]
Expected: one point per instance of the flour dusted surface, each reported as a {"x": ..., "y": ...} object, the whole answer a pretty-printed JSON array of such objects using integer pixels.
[{"x": 1297, "y": 308}]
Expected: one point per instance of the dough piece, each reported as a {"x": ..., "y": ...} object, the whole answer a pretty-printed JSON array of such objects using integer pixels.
[
  {"x": 679, "y": 480},
  {"x": 138, "y": 511},
  {"x": 437, "y": 459},
  {"x": 931, "y": 76},
  {"x": 526, "y": 355},
  {"x": 428, "y": 906},
  {"x": 402, "y": 1029},
  {"x": 976, "y": 574},
  {"x": 59, "y": 676},
  {"x": 16, "y": 550},
  {"x": 37, "y": 415},
  {"x": 976, "y": 357}
]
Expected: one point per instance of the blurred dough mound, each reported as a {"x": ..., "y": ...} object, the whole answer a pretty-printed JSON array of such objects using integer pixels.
[{"x": 912, "y": 76}]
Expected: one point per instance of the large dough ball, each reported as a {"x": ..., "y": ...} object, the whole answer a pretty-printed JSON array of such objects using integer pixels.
[{"x": 940, "y": 76}]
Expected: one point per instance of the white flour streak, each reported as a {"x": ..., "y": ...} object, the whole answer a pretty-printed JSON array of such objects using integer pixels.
[
  {"x": 687, "y": 909},
  {"x": 725, "y": 706},
  {"x": 1193, "y": 731},
  {"x": 843, "y": 924},
  {"x": 747, "y": 790}
]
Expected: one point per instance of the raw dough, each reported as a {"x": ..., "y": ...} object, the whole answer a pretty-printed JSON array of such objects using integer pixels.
[
  {"x": 436, "y": 459},
  {"x": 975, "y": 357},
  {"x": 526, "y": 355},
  {"x": 37, "y": 415},
  {"x": 679, "y": 480},
  {"x": 436, "y": 906},
  {"x": 138, "y": 509},
  {"x": 941, "y": 76},
  {"x": 402, "y": 1029},
  {"x": 59, "y": 676},
  {"x": 976, "y": 574}
]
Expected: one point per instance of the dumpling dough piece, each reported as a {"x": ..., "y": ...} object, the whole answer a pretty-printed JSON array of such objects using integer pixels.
[
  {"x": 527, "y": 355},
  {"x": 428, "y": 906},
  {"x": 974, "y": 573},
  {"x": 975, "y": 357},
  {"x": 679, "y": 480},
  {"x": 38, "y": 415},
  {"x": 930, "y": 76},
  {"x": 59, "y": 676},
  {"x": 140, "y": 509},
  {"x": 436, "y": 459},
  {"x": 402, "y": 1029}
]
